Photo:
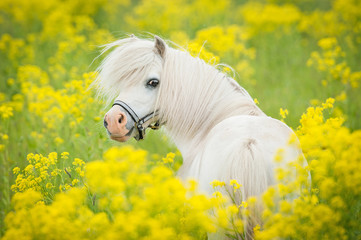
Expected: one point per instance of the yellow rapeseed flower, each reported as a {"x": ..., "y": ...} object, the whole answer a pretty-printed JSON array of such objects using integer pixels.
[
  {"x": 217, "y": 183},
  {"x": 283, "y": 113},
  {"x": 16, "y": 170},
  {"x": 6, "y": 111},
  {"x": 65, "y": 155},
  {"x": 5, "y": 137},
  {"x": 235, "y": 184}
]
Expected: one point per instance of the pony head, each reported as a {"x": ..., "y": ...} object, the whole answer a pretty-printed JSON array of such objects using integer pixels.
[
  {"x": 153, "y": 83},
  {"x": 131, "y": 74}
]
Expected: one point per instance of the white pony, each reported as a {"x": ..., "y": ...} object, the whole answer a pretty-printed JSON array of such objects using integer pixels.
[{"x": 213, "y": 121}]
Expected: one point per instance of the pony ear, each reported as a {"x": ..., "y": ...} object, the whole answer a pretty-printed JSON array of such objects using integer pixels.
[{"x": 160, "y": 46}]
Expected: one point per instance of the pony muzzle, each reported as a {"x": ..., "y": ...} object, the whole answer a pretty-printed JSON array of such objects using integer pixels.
[
  {"x": 116, "y": 122},
  {"x": 126, "y": 123}
]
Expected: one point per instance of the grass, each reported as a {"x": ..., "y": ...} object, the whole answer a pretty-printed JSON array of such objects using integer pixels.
[{"x": 284, "y": 81}]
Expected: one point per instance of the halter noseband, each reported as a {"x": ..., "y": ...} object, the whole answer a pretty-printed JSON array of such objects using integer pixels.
[{"x": 138, "y": 122}]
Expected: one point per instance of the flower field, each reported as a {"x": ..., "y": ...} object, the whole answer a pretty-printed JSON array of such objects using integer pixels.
[{"x": 62, "y": 178}]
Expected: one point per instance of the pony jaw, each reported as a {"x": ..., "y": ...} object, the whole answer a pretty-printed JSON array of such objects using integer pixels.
[{"x": 119, "y": 139}]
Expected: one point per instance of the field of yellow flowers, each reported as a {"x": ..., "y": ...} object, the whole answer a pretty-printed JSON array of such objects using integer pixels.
[{"x": 61, "y": 178}]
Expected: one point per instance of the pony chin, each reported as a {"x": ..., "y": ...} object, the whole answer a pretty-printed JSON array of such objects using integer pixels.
[{"x": 120, "y": 139}]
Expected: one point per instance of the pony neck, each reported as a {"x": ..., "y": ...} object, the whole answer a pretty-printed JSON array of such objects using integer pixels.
[{"x": 231, "y": 104}]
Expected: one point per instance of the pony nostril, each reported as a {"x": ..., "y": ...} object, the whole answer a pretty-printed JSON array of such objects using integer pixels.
[
  {"x": 120, "y": 120},
  {"x": 105, "y": 124}
]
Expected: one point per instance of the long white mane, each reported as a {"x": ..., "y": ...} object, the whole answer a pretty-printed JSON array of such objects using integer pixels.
[{"x": 193, "y": 95}]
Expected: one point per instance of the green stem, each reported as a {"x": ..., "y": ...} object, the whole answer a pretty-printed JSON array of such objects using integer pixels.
[{"x": 4, "y": 184}]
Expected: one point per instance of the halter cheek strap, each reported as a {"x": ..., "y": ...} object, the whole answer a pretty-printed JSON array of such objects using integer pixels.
[{"x": 138, "y": 122}]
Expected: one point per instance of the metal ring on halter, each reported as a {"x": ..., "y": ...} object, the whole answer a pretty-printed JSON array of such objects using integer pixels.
[{"x": 138, "y": 122}]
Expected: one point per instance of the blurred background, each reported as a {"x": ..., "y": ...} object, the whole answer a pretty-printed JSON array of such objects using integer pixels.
[{"x": 289, "y": 55}]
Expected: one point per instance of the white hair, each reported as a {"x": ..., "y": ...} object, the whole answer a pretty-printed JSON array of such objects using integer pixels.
[
  {"x": 195, "y": 95},
  {"x": 129, "y": 61}
]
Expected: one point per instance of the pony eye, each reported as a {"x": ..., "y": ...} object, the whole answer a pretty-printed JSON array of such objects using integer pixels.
[{"x": 153, "y": 83}]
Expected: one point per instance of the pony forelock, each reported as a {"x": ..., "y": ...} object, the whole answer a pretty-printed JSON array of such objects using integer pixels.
[{"x": 128, "y": 62}]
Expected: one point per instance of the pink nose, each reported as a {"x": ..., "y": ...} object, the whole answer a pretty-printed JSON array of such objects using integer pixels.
[{"x": 115, "y": 122}]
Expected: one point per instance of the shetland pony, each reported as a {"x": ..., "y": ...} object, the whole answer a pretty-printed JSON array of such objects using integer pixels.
[{"x": 213, "y": 121}]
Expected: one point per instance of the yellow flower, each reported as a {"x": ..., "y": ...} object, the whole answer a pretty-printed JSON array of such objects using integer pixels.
[
  {"x": 6, "y": 111},
  {"x": 169, "y": 158},
  {"x": 256, "y": 229},
  {"x": 2, "y": 97},
  {"x": 65, "y": 155},
  {"x": 217, "y": 194},
  {"x": 243, "y": 204},
  {"x": 58, "y": 140},
  {"x": 283, "y": 113},
  {"x": 29, "y": 169},
  {"x": 193, "y": 184},
  {"x": 74, "y": 182},
  {"x": 279, "y": 155},
  {"x": 233, "y": 209},
  {"x": 5, "y": 137},
  {"x": 235, "y": 184},
  {"x": 78, "y": 162},
  {"x": 217, "y": 183},
  {"x": 10, "y": 81},
  {"x": 329, "y": 103},
  {"x": 327, "y": 43},
  {"x": 16, "y": 170}
]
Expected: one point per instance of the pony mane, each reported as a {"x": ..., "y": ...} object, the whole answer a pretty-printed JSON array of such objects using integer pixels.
[{"x": 195, "y": 95}]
